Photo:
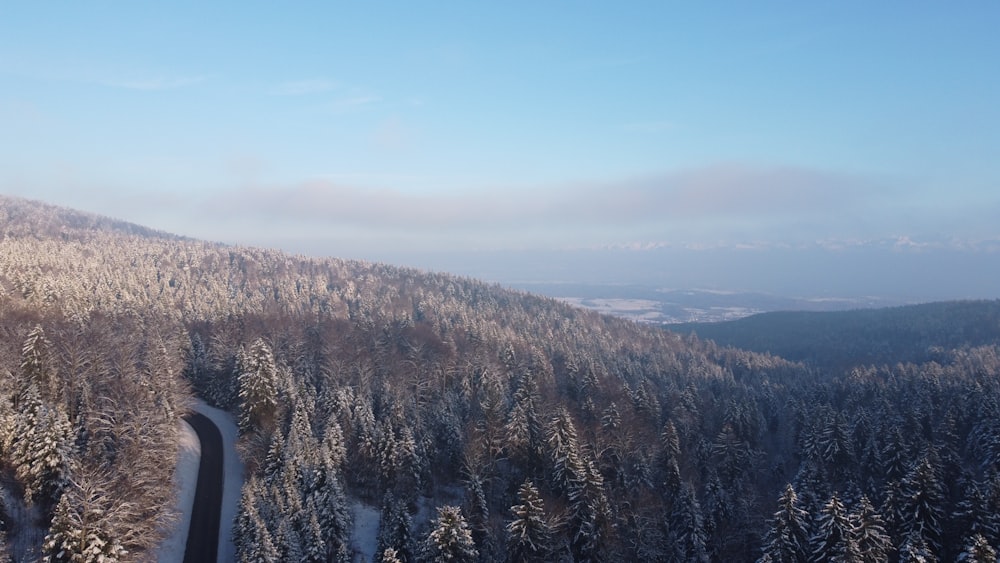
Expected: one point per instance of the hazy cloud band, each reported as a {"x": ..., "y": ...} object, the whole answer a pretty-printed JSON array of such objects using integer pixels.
[{"x": 719, "y": 191}]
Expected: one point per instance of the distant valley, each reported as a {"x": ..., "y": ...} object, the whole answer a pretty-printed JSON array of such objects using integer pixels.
[
  {"x": 655, "y": 305},
  {"x": 391, "y": 414}
]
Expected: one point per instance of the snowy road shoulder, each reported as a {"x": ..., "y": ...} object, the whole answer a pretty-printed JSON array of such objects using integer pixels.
[{"x": 188, "y": 460}]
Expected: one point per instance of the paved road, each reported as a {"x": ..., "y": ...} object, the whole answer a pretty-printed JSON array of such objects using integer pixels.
[{"x": 203, "y": 536}]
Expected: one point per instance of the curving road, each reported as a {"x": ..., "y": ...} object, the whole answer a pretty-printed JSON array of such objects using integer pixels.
[{"x": 203, "y": 535}]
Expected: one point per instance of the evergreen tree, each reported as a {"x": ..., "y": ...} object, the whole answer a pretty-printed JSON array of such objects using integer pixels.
[
  {"x": 564, "y": 447},
  {"x": 868, "y": 530},
  {"x": 732, "y": 454},
  {"x": 301, "y": 450},
  {"x": 832, "y": 538},
  {"x": 973, "y": 514},
  {"x": 517, "y": 439},
  {"x": 914, "y": 549},
  {"x": 589, "y": 515},
  {"x": 407, "y": 461},
  {"x": 894, "y": 455},
  {"x": 687, "y": 530},
  {"x": 81, "y": 531},
  {"x": 611, "y": 419},
  {"x": 835, "y": 447},
  {"x": 288, "y": 541},
  {"x": 529, "y": 533},
  {"x": 523, "y": 433},
  {"x": 42, "y": 449},
  {"x": 332, "y": 513},
  {"x": 36, "y": 364},
  {"x": 985, "y": 437},
  {"x": 258, "y": 384},
  {"x": 334, "y": 450},
  {"x": 314, "y": 548},
  {"x": 364, "y": 453},
  {"x": 787, "y": 540},
  {"x": 670, "y": 459},
  {"x": 385, "y": 448},
  {"x": 991, "y": 518},
  {"x": 251, "y": 534},
  {"x": 921, "y": 504},
  {"x": 719, "y": 507},
  {"x": 394, "y": 529},
  {"x": 197, "y": 368},
  {"x": 478, "y": 509},
  {"x": 978, "y": 550},
  {"x": 274, "y": 461},
  {"x": 450, "y": 540}
]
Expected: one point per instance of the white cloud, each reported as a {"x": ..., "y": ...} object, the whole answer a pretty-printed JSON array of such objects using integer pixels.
[
  {"x": 353, "y": 102},
  {"x": 724, "y": 194},
  {"x": 717, "y": 207}
]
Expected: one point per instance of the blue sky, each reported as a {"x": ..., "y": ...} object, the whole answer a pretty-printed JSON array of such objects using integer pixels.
[{"x": 398, "y": 131}]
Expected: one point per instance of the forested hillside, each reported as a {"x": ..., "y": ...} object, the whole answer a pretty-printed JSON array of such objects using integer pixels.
[
  {"x": 844, "y": 339},
  {"x": 484, "y": 424}
]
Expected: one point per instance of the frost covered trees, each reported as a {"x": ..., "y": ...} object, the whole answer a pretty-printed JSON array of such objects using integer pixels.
[
  {"x": 564, "y": 450},
  {"x": 36, "y": 365},
  {"x": 297, "y": 508},
  {"x": 85, "y": 525},
  {"x": 575, "y": 475},
  {"x": 529, "y": 533},
  {"x": 450, "y": 540},
  {"x": 687, "y": 529},
  {"x": 42, "y": 448},
  {"x": 787, "y": 540},
  {"x": 524, "y": 436},
  {"x": 833, "y": 538},
  {"x": 258, "y": 388},
  {"x": 837, "y": 535},
  {"x": 251, "y": 532},
  {"x": 978, "y": 550},
  {"x": 868, "y": 529},
  {"x": 394, "y": 531},
  {"x": 920, "y": 505}
]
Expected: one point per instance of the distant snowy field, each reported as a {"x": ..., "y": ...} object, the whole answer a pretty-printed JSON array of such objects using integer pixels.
[
  {"x": 664, "y": 306},
  {"x": 642, "y": 310}
]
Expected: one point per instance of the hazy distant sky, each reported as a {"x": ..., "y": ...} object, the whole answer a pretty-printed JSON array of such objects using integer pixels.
[{"x": 413, "y": 130}]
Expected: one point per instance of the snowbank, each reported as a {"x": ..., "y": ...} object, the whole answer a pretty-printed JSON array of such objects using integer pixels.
[
  {"x": 364, "y": 536},
  {"x": 188, "y": 460}
]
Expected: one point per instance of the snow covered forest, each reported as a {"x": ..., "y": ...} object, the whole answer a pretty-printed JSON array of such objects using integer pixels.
[{"x": 483, "y": 424}]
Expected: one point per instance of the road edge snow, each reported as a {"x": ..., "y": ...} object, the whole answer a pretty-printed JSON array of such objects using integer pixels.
[{"x": 186, "y": 479}]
